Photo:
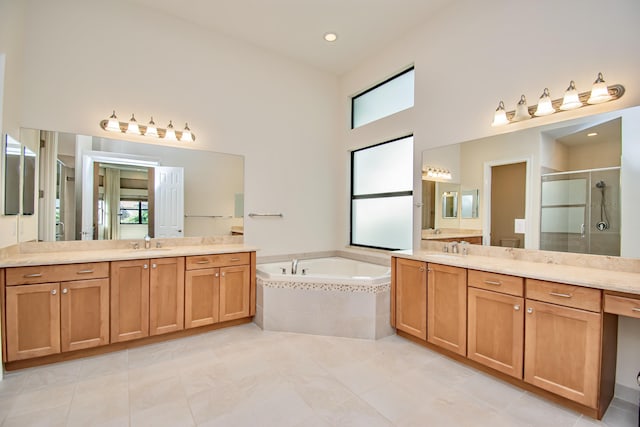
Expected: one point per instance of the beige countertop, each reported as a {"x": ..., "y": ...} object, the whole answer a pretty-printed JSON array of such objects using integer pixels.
[
  {"x": 599, "y": 277},
  {"x": 449, "y": 233},
  {"x": 48, "y": 254}
]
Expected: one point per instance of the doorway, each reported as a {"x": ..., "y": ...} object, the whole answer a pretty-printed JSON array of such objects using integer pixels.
[{"x": 508, "y": 203}]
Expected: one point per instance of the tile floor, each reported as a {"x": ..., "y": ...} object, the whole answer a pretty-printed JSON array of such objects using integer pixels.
[{"x": 243, "y": 376}]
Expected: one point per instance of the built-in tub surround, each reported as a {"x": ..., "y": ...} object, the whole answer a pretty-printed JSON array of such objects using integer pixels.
[{"x": 335, "y": 296}]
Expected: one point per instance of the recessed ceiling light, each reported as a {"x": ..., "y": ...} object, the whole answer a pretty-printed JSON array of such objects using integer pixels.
[
  {"x": 330, "y": 37},
  {"x": 592, "y": 134}
]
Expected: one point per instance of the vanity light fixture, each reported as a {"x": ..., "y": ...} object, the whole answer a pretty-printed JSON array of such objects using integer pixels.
[
  {"x": 545, "y": 105},
  {"x": 522, "y": 111},
  {"x": 500, "y": 116},
  {"x": 571, "y": 99},
  {"x": 600, "y": 92},
  {"x": 132, "y": 127},
  {"x": 436, "y": 173}
]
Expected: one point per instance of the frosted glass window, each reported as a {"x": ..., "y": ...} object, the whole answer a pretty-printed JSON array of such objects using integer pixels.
[
  {"x": 382, "y": 195},
  {"x": 385, "y": 99},
  {"x": 384, "y": 168},
  {"x": 383, "y": 222}
]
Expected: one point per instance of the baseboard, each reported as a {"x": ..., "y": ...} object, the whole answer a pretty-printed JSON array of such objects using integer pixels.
[{"x": 628, "y": 394}]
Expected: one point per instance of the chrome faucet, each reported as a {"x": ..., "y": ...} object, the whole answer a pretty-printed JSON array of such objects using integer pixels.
[
  {"x": 147, "y": 242},
  {"x": 454, "y": 247},
  {"x": 294, "y": 266}
]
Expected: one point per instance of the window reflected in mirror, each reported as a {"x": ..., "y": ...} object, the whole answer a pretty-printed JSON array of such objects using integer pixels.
[
  {"x": 12, "y": 150},
  {"x": 28, "y": 182}
]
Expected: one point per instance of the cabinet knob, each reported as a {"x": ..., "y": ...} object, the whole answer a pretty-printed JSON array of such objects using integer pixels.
[
  {"x": 421, "y": 269},
  {"x": 516, "y": 307},
  {"x": 530, "y": 310},
  {"x": 217, "y": 275},
  {"x": 53, "y": 291},
  {"x": 153, "y": 266},
  {"x": 65, "y": 291},
  {"x": 145, "y": 266},
  {"x": 222, "y": 274}
]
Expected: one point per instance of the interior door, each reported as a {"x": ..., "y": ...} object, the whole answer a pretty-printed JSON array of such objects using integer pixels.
[{"x": 169, "y": 201}]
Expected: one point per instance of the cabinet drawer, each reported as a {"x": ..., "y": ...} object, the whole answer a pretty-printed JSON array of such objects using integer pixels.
[
  {"x": 56, "y": 273},
  {"x": 219, "y": 260},
  {"x": 624, "y": 306},
  {"x": 566, "y": 295},
  {"x": 503, "y": 283}
]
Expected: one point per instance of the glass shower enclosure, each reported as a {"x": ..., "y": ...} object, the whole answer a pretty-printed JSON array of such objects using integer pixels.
[{"x": 580, "y": 211}]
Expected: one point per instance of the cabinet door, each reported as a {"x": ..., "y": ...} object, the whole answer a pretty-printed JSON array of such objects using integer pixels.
[
  {"x": 447, "y": 307},
  {"x": 129, "y": 300},
  {"x": 411, "y": 297},
  {"x": 166, "y": 295},
  {"x": 84, "y": 314},
  {"x": 234, "y": 292},
  {"x": 201, "y": 294},
  {"x": 496, "y": 330},
  {"x": 562, "y": 351},
  {"x": 33, "y": 320}
]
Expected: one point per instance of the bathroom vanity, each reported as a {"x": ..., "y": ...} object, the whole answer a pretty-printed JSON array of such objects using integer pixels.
[
  {"x": 67, "y": 300},
  {"x": 550, "y": 328}
]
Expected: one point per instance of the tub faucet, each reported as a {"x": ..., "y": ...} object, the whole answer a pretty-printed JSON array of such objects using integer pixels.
[{"x": 294, "y": 266}]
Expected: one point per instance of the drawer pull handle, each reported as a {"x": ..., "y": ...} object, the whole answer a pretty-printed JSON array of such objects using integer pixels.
[
  {"x": 493, "y": 282},
  {"x": 203, "y": 262},
  {"x": 637, "y": 309},
  {"x": 32, "y": 275},
  {"x": 85, "y": 272},
  {"x": 557, "y": 294},
  {"x": 235, "y": 259}
]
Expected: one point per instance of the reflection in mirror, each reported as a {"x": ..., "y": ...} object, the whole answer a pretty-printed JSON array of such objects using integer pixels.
[
  {"x": 469, "y": 204},
  {"x": 586, "y": 214},
  {"x": 450, "y": 204},
  {"x": 12, "y": 150},
  {"x": 28, "y": 181},
  {"x": 213, "y": 189}
]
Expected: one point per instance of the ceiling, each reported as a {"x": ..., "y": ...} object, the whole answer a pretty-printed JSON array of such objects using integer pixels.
[
  {"x": 295, "y": 28},
  {"x": 610, "y": 131}
]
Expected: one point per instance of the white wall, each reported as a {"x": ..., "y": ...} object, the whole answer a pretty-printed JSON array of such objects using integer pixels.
[{"x": 237, "y": 98}]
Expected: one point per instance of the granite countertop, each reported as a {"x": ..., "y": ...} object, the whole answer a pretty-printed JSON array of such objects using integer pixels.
[
  {"x": 74, "y": 254},
  {"x": 596, "y": 277}
]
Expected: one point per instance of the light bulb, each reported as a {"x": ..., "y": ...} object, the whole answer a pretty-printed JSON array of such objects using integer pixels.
[
  {"x": 152, "y": 130},
  {"x": 571, "y": 98},
  {"x": 500, "y": 117},
  {"x": 113, "y": 125},
  {"x": 522, "y": 111},
  {"x": 544, "y": 104},
  {"x": 186, "y": 134},
  {"x": 170, "y": 134},
  {"x": 599, "y": 91},
  {"x": 133, "y": 127}
]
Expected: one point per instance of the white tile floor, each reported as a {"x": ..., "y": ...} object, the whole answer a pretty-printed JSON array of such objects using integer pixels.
[{"x": 243, "y": 376}]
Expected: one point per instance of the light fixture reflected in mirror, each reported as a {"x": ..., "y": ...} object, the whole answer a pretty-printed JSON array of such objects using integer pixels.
[
  {"x": 600, "y": 92},
  {"x": 436, "y": 174},
  {"x": 545, "y": 106},
  {"x": 132, "y": 127}
]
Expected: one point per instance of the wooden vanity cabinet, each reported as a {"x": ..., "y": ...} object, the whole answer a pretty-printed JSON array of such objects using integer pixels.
[
  {"x": 563, "y": 340},
  {"x": 496, "y": 321},
  {"x": 217, "y": 288},
  {"x": 49, "y": 317},
  {"x": 147, "y": 297},
  {"x": 411, "y": 297},
  {"x": 447, "y": 307}
]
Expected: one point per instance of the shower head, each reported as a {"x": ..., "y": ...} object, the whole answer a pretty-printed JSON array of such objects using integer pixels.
[{"x": 600, "y": 184}]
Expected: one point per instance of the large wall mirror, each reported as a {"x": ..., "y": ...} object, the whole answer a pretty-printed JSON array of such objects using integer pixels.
[
  {"x": 12, "y": 155},
  {"x": 556, "y": 187},
  {"x": 113, "y": 189}
]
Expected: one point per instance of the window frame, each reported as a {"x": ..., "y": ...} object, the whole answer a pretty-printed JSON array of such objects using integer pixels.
[
  {"x": 372, "y": 195},
  {"x": 140, "y": 211},
  {"x": 395, "y": 76}
]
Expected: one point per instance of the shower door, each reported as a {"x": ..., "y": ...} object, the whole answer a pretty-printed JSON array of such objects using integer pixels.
[{"x": 580, "y": 212}]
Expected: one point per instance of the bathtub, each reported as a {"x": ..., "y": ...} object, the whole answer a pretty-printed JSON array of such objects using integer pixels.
[{"x": 328, "y": 296}]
